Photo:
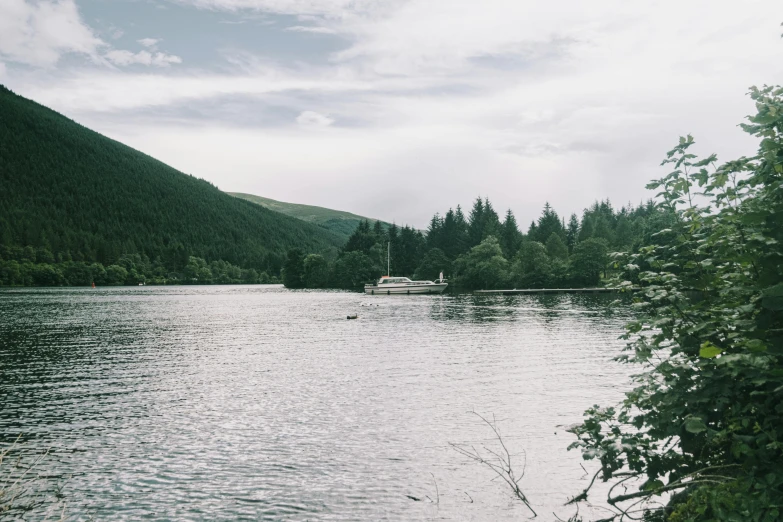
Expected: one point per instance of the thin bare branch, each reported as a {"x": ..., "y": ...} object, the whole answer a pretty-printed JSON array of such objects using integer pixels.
[{"x": 500, "y": 464}]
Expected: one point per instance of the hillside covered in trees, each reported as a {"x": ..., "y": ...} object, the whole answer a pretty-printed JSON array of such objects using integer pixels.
[
  {"x": 339, "y": 222},
  {"x": 77, "y": 207},
  {"x": 481, "y": 250}
]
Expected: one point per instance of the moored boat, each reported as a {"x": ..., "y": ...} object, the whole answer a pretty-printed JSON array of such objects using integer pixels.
[
  {"x": 402, "y": 285},
  {"x": 388, "y": 285}
]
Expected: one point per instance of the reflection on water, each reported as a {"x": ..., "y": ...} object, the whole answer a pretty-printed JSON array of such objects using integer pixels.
[{"x": 250, "y": 402}]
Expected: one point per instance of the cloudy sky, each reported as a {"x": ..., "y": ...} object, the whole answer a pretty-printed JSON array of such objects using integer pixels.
[{"x": 397, "y": 108}]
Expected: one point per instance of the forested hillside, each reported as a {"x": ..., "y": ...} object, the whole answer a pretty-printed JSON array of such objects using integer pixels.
[
  {"x": 341, "y": 223},
  {"x": 71, "y": 195}
]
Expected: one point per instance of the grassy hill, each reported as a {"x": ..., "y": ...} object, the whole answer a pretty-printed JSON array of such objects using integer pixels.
[
  {"x": 73, "y": 193},
  {"x": 341, "y": 223}
]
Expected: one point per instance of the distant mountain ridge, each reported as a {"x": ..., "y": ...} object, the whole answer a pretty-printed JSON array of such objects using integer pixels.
[
  {"x": 337, "y": 221},
  {"x": 72, "y": 193}
]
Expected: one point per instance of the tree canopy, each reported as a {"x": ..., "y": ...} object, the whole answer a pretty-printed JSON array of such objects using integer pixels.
[{"x": 705, "y": 418}]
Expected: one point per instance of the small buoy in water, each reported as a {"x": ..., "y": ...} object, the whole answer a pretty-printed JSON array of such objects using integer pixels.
[{"x": 352, "y": 317}]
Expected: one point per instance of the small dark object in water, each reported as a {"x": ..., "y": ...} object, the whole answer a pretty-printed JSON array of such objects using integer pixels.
[
  {"x": 413, "y": 498},
  {"x": 352, "y": 317}
]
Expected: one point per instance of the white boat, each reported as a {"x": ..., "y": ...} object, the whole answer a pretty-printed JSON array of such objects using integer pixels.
[
  {"x": 402, "y": 285},
  {"x": 388, "y": 285}
]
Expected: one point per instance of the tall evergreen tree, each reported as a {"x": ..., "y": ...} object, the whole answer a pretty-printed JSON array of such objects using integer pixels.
[
  {"x": 602, "y": 230},
  {"x": 572, "y": 232},
  {"x": 548, "y": 223},
  {"x": 586, "y": 228},
  {"x": 532, "y": 231},
  {"x": 490, "y": 221},
  {"x": 410, "y": 252},
  {"x": 510, "y": 236},
  {"x": 623, "y": 233},
  {"x": 378, "y": 229},
  {"x": 459, "y": 239},
  {"x": 476, "y": 223},
  {"x": 362, "y": 239},
  {"x": 436, "y": 231}
]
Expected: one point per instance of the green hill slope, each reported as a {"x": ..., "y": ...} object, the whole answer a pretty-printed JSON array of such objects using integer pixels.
[
  {"x": 337, "y": 221},
  {"x": 74, "y": 193}
]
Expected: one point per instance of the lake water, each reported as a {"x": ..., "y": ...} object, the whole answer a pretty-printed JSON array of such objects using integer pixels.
[{"x": 255, "y": 402}]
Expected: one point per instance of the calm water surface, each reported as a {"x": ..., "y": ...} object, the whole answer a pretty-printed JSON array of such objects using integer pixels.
[{"x": 255, "y": 402}]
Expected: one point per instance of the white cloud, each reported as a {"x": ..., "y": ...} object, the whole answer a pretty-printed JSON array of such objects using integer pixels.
[
  {"x": 313, "y": 119},
  {"x": 149, "y": 42},
  {"x": 520, "y": 101},
  {"x": 311, "y": 29},
  {"x": 2, "y": 70},
  {"x": 332, "y": 8},
  {"x": 38, "y": 33},
  {"x": 121, "y": 57}
]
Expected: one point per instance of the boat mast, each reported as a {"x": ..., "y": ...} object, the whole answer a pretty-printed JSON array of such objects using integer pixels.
[{"x": 388, "y": 257}]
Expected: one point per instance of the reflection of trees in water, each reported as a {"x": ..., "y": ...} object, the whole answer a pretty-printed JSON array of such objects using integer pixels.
[
  {"x": 471, "y": 308},
  {"x": 546, "y": 308}
]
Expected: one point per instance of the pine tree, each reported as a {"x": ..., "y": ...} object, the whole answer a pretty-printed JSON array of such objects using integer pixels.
[
  {"x": 490, "y": 221},
  {"x": 436, "y": 231},
  {"x": 476, "y": 223},
  {"x": 586, "y": 228},
  {"x": 549, "y": 223},
  {"x": 572, "y": 232},
  {"x": 510, "y": 237},
  {"x": 460, "y": 239}
]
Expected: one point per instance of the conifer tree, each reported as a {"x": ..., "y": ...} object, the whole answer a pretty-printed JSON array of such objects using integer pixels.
[
  {"x": 510, "y": 237},
  {"x": 572, "y": 232},
  {"x": 549, "y": 223},
  {"x": 490, "y": 221}
]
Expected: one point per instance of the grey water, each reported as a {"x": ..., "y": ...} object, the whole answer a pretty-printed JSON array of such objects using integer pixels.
[{"x": 260, "y": 403}]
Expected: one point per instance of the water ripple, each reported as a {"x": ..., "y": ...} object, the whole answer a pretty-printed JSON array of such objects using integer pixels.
[{"x": 247, "y": 403}]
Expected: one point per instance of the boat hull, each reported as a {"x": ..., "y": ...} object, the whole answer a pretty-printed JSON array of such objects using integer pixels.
[{"x": 436, "y": 288}]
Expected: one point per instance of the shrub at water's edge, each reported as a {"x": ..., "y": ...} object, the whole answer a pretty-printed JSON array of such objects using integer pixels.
[{"x": 703, "y": 425}]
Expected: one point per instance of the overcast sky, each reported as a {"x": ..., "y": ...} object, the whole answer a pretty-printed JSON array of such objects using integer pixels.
[{"x": 396, "y": 109}]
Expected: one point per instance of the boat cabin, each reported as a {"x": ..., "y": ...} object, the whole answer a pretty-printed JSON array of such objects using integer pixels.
[{"x": 388, "y": 280}]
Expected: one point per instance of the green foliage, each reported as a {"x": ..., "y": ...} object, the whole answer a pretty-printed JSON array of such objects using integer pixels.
[
  {"x": 483, "y": 267},
  {"x": 560, "y": 264},
  {"x": 316, "y": 272},
  {"x": 533, "y": 266},
  {"x": 353, "y": 269},
  {"x": 588, "y": 261},
  {"x": 405, "y": 246},
  {"x": 71, "y": 195},
  {"x": 549, "y": 223},
  {"x": 483, "y": 222},
  {"x": 705, "y": 418},
  {"x": 572, "y": 232},
  {"x": 556, "y": 247},
  {"x": 116, "y": 275},
  {"x": 510, "y": 236},
  {"x": 407, "y": 250},
  {"x": 434, "y": 262},
  {"x": 449, "y": 234},
  {"x": 293, "y": 274}
]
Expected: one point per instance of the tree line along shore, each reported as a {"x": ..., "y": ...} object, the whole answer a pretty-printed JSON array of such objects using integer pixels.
[{"x": 481, "y": 251}]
